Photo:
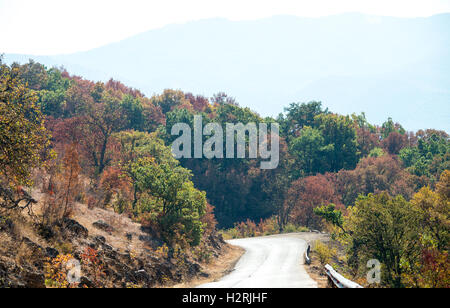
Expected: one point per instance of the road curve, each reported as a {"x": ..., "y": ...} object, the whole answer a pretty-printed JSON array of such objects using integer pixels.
[{"x": 269, "y": 262}]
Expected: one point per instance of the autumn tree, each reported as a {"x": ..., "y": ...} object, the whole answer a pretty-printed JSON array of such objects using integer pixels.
[
  {"x": 34, "y": 75},
  {"x": 308, "y": 193},
  {"x": 62, "y": 187},
  {"x": 23, "y": 138},
  {"x": 430, "y": 267},
  {"x": 367, "y": 135},
  {"x": 395, "y": 142},
  {"x": 170, "y": 99},
  {"x": 198, "y": 102},
  {"x": 102, "y": 121},
  {"x": 70, "y": 177},
  {"x": 375, "y": 175}
]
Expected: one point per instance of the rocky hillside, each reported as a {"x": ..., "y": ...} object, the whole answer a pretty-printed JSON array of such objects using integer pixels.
[{"x": 113, "y": 252}]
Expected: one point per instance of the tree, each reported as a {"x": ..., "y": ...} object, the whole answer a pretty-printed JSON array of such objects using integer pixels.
[
  {"x": 170, "y": 199},
  {"x": 395, "y": 142},
  {"x": 199, "y": 103},
  {"x": 52, "y": 96},
  {"x": 389, "y": 127},
  {"x": 102, "y": 121},
  {"x": 298, "y": 116},
  {"x": 375, "y": 175},
  {"x": 430, "y": 157},
  {"x": 132, "y": 146},
  {"x": 331, "y": 215},
  {"x": 70, "y": 177},
  {"x": 382, "y": 228},
  {"x": 309, "y": 152},
  {"x": 24, "y": 141},
  {"x": 78, "y": 98},
  {"x": 34, "y": 75},
  {"x": 222, "y": 98},
  {"x": 431, "y": 267},
  {"x": 152, "y": 116},
  {"x": 340, "y": 138},
  {"x": 133, "y": 111},
  {"x": 170, "y": 99},
  {"x": 305, "y": 195},
  {"x": 434, "y": 208},
  {"x": 62, "y": 187}
]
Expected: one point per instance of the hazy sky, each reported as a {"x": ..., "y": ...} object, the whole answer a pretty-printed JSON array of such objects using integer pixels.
[{"x": 47, "y": 27}]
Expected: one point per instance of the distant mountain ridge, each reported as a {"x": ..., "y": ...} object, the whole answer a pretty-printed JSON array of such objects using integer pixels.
[{"x": 384, "y": 66}]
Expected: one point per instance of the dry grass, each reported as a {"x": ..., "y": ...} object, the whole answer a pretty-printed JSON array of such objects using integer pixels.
[
  {"x": 216, "y": 269},
  {"x": 316, "y": 271},
  {"x": 121, "y": 224}
]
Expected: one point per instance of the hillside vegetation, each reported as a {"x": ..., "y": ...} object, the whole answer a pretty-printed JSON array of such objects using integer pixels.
[{"x": 75, "y": 153}]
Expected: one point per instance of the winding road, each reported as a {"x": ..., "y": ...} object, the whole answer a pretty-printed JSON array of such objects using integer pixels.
[{"x": 270, "y": 262}]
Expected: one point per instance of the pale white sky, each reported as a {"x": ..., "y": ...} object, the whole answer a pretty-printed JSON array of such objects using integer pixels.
[{"x": 48, "y": 27}]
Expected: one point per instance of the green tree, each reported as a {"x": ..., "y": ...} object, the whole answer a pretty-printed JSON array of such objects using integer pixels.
[
  {"x": 340, "y": 138},
  {"x": 170, "y": 200},
  {"x": 429, "y": 158},
  {"x": 385, "y": 229},
  {"x": 133, "y": 111},
  {"x": 298, "y": 116},
  {"x": 309, "y": 152},
  {"x": 389, "y": 127},
  {"x": 134, "y": 145}
]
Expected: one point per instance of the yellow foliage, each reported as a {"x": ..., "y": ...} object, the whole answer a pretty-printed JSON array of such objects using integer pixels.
[
  {"x": 56, "y": 272},
  {"x": 324, "y": 252}
]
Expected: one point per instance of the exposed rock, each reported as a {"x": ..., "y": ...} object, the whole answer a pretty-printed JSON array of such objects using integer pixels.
[
  {"x": 142, "y": 277},
  {"x": 51, "y": 252},
  {"x": 75, "y": 228},
  {"x": 145, "y": 238},
  {"x": 35, "y": 248},
  {"x": 194, "y": 269},
  {"x": 100, "y": 239},
  {"x": 118, "y": 266},
  {"x": 203, "y": 275},
  {"x": 85, "y": 283},
  {"x": 33, "y": 279},
  {"x": 45, "y": 231},
  {"x": 101, "y": 225}
]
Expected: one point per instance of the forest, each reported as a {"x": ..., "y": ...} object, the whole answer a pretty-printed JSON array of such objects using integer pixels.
[{"x": 381, "y": 190}]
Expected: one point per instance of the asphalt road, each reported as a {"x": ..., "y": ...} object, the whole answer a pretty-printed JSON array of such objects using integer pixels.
[{"x": 270, "y": 262}]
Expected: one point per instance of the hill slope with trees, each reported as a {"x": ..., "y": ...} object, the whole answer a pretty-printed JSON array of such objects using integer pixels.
[{"x": 106, "y": 146}]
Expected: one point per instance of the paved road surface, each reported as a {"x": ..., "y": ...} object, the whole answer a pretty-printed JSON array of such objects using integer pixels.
[{"x": 269, "y": 262}]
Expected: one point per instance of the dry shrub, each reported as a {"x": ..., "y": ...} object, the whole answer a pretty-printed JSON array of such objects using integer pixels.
[
  {"x": 324, "y": 252},
  {"x": 247, "y": 229},
  {"x": 62, "y": 188},
  {"x": 209, "y": 219}
]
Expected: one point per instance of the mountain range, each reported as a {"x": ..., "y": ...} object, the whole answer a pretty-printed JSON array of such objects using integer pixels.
[{"x": 383, "y": 66}]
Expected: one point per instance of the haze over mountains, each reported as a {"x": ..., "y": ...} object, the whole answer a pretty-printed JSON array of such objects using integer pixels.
[{"x": 383, "y": 66}]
